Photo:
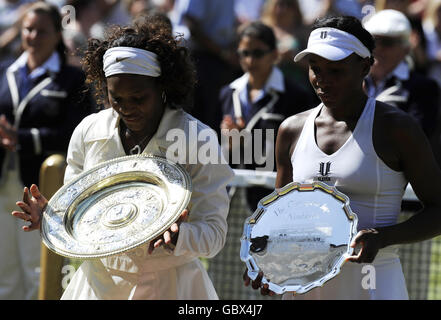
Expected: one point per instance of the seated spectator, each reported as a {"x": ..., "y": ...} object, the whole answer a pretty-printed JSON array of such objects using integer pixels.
[
  {"x": 210, "y": 27},
  {"x": 261, "y": 99},
  {"x": 113, "y": 13},
  {"x": 392, "y": 79},
  {"x": 413, "y": 10},
  {"x": 285, "y": 18}
]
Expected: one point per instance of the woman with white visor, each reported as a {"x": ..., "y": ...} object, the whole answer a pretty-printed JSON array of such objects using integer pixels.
[
  {"x": 372, "y": 150},
  {"x": 147, "y": 77}
]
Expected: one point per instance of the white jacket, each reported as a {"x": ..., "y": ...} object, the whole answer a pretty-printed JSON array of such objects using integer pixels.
[{"x": 161, "y": 275}]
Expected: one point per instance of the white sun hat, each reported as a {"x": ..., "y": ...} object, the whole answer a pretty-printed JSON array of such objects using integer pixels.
[
  {"x": 333, "y": 44},
  {"x": 388, "y": 23}
]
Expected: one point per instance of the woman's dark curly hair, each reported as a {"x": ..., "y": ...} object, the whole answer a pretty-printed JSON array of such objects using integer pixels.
[{"x": 178, "y": 75}]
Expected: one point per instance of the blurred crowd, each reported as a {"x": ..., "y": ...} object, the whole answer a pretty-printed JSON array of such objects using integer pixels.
[
  {"x": 230, "y": 51},
  {"x": 210, "y": 30}
]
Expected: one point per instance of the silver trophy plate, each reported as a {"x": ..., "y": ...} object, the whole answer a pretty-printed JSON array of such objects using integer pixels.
[
  {"x": 116, "y": 206},
  {"x": 298, "y": 237}
]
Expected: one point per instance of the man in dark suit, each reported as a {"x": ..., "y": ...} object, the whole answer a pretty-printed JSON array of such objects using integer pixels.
[{"x": 392, "y": 79}]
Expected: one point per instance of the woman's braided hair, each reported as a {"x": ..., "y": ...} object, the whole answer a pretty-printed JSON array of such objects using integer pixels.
[{"x": 178, "y": 75}]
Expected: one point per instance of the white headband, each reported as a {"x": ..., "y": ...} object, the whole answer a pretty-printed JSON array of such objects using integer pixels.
[
  {"x": 130, "y": 60},
  {"x": 333, "y": 44}
]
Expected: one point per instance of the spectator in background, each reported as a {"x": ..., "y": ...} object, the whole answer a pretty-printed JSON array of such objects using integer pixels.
[
  {"x": 261, "y": 99},
  {"x": 285, "y": 18},
  {"x": 10, "y": 16},
  {"x": 432, "y": 30},
  {"x": 136, "y": 7},
  {"x": 10, "y": 12},
  {"x": 78, "y": 30},
  {"x": 392, "y": 79},
  {"x": 89, "y": 20},
  {"x": 315, "y": 9},
  {"x": 112, "y": 12},
  {"x": 210, "y": 27},
  {"x": 413, "y": 10},
  {"x": 41, "y": 101}
]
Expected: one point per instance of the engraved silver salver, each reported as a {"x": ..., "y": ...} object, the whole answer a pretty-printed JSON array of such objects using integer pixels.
[
  {"x": 299, "y": 237},
  {"x": 115, "y": 207}
]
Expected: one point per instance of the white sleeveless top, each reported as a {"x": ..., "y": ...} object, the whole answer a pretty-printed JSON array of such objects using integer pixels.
[{"x": 375, "y": 190}]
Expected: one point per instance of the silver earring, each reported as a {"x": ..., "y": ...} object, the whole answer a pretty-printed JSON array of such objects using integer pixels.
[{"x": 164, "y": 97}]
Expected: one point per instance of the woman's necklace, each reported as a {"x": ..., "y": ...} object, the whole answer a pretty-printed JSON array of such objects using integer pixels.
[{"x": 137, "y": 148}]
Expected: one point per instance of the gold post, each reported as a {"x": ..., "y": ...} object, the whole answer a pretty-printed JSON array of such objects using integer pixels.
[
  {"x": 51, "y": 179},
  {"x": 380, "y": 5}
]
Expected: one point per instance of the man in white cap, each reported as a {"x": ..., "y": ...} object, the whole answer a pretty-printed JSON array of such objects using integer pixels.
[{"x": 392, "y": 79}]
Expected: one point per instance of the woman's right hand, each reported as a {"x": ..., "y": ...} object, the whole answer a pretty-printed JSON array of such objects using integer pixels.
[{"x": 32, "y": 208}]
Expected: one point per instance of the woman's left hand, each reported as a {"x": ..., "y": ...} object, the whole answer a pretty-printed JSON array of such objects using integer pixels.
[
  {"x": 370, "y": 243},
  {"x": 8, "y": 134},
  {"x": 170, "y": 236}
]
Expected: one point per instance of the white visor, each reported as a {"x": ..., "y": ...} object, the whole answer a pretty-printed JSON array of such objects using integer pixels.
[
  {"x": 130, "y": 60},
  {"x": 333, "y": 44}
]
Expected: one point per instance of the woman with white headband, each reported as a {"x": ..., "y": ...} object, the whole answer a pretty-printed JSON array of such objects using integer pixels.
[
  {"x": 146, "y": 77},
  {"x": 371, "y": 151}
]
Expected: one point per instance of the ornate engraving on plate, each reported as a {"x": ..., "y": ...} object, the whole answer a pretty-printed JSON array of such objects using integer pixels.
[
  {"x": 119, "y": 214},
  {"x": 299, "y": 237},
  {"x": 115, "y": 207}
]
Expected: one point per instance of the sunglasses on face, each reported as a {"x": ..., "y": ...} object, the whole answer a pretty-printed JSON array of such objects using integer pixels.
[{"x": 256, "y": 53}]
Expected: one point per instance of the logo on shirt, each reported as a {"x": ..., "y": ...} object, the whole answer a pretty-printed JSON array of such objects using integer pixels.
[
  {"x": 324, "y": 171},
  {"x": 323, "y": 34}
]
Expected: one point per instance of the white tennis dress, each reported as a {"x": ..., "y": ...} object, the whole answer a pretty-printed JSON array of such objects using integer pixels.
[
  {"x": 161, "y": 275},
  {"x": 375, "y": 193}
]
